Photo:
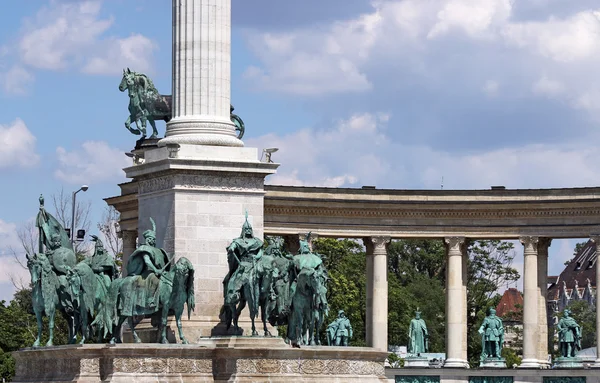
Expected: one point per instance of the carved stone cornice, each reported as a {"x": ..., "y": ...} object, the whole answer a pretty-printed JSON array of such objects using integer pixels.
[
  {"x": 201, "y": 182},
  {"x": 530, "y": 244}
]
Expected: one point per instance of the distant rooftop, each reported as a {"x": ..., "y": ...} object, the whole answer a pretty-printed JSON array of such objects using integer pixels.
[{"x": 508, "y": 303}]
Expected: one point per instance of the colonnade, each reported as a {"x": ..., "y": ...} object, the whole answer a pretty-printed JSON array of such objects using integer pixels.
[{"x": 535, "y": 283}]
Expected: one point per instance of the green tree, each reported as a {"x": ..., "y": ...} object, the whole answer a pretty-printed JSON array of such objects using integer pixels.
[
  {"x": 585, "y": 315},
  {"x": 416, "y": 281},
  {"x": 345, "y": 261}
]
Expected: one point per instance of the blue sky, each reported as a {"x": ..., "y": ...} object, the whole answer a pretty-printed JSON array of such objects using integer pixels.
[{"x": 393, "y": 93}]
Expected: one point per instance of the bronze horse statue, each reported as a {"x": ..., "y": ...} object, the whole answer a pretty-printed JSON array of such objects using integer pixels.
[
  {"x": 146, "y": 104},
  {"x": 176, "y": 289}
]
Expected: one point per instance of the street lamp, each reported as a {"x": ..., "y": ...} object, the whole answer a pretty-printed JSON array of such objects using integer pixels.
[{"x": 82, "y": 188}]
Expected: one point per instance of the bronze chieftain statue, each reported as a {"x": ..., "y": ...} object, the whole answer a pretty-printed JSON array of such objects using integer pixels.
[
  {"x": 307, "y": 295},
  {"x": 146, "y": 104},
  {"x": 569, "y": 335},
  {"x": 249, "y": 280},
  {"x": 153, "y": 286},
  {"x": 418, "y": 335},
  {"x": 492, "y": 333},
  {"x": 288, "y": 290},
  {"x": 339, "y": 331},
  {"x": 59, "y": 283}
]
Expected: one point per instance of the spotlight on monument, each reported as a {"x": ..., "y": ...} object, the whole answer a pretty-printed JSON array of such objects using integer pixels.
[
  {"x": 80, "y": 235},
  {"x": 267, "y": 154}
]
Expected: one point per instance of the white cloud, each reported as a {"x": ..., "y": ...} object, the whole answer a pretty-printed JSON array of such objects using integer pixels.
[
  {"x": 8, "y": 237},
  {"x": 547, "y": 86},
  {"x": 96, "y": 162},
  {"x": 133, "y": 51},
  {"x": 475, "y": 18},
  {"x": 12, "y": 261},
  {"x": 69, "y": 35},
  {"x": 334, "y": 157},
  {"x": 431, "y": 43},
  {"x": 16, "y": 80},
  {"x": 491, "y": 87},
  {"x": 365, "y": 155},
  {"x": 18, "y": 146},
  {"x": 565, "y": 40}
]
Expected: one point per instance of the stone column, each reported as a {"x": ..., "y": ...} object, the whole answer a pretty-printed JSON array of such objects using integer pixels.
[
  {"x": 456, "y": 305},
  {"x": 542, "y": 277},
  {"x": 201, "y": 74},
  {"x": 465, "y": 263},
  {"x": 129, "y": 238},
  {"x": 531, "y": 294},
  {"x": 596, "y": 239},
  {"x": 377, "y": 305}
]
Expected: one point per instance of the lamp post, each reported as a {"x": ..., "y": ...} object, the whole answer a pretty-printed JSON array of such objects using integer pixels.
[{"x": 82, "y": 188}]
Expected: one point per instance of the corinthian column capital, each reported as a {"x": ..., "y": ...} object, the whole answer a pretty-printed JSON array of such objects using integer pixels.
[
  {"x": 455, "y": 243},
  {"x": 376, "y": 244},
  {"x": 530, "y": 243}
]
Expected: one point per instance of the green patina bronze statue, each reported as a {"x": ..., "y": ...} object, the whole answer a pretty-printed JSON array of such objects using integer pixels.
[
  {"x": 153, "y": 286},
  {"x": 418, "y": 336},
  {"x": 569, "y": 335},
  {"x": 279, "y": 308},
  {"x": 146, "y": 104},
  {"x": 492, "y": 336},
  {"x": 339, "y": 331},
  {"x": 58, "y": 282},
  {"x": 307, "y": 292},
  {"x": 249, "y": 280}
]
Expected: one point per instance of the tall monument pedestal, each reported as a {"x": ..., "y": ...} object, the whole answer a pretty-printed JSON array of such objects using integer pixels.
[{"x": 198, "y": 196}]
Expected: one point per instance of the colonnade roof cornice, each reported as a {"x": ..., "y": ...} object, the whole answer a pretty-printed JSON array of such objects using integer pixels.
[{"x": 498, "y": 214}]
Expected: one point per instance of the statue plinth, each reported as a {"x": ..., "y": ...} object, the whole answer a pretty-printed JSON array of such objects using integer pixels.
[
  {"x": 239, "y": 359},
  {"x": 416, "y": 361},
  {"x": 565, "y": 363},
  {"x": 493, "y": 363}
]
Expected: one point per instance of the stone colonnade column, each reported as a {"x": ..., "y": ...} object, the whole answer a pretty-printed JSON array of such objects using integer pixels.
[
  {"x": 456, "y": 304},
  {"x": 129, "y": 238},
  {"x": 201, "y": 75},
  {"x": 531, "y": 296},
  {"x": 542, "y": 277},
  {"x": 596, "y": 239},
  {"x": 377, "y": 292}
]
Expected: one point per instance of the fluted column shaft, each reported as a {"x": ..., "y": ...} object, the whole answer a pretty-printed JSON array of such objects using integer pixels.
[
  {"x": 542, "y": 277},
  {"x": 129, "y": 238},
  {"x": 596, "y": 239},
  {"x": 377, "y": 297},
  {"x": 456, "y": 303},
  {"x": 531, "y": 294},
  {"x": 201, "y": 74}
]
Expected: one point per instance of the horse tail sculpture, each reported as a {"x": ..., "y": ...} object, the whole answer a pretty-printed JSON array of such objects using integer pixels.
[{"x": 191, "y": 299}]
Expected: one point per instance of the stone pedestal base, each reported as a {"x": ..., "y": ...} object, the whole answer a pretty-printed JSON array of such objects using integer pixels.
[
  {"x": 562, "y": 363},
  {"x": 226, "y": 359},
  {"x": 493, "y": 363},
  {"x": 416, "y": 362}
]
